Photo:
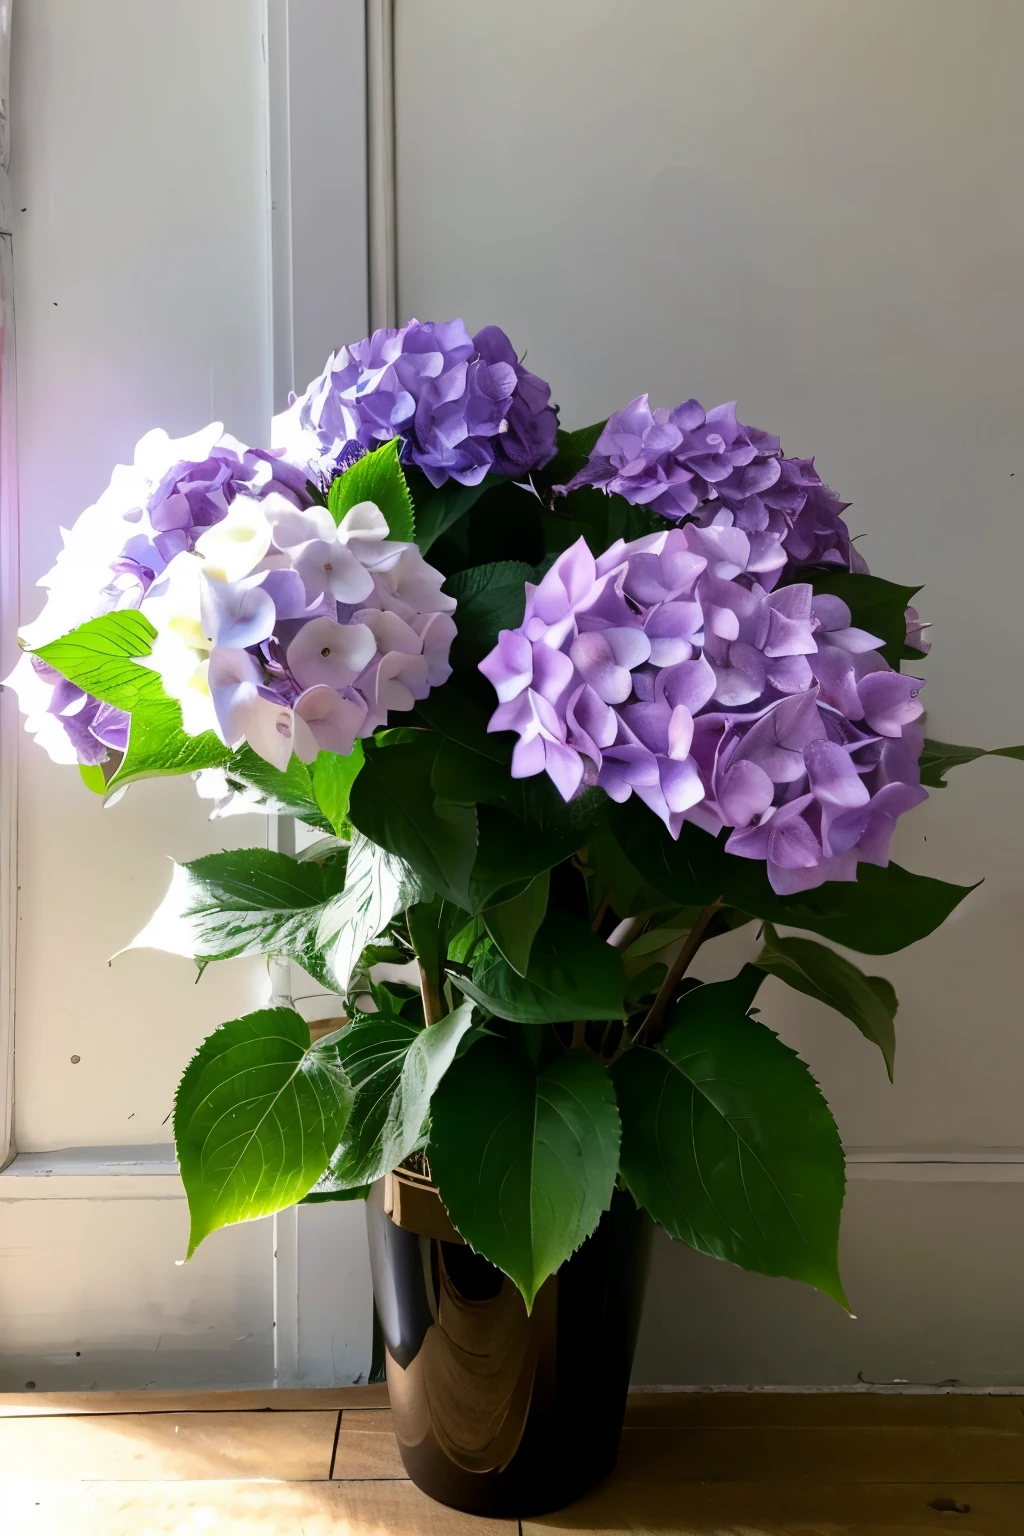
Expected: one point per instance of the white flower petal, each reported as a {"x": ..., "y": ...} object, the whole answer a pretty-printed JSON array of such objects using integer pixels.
[{"x": 235, "y": 546}]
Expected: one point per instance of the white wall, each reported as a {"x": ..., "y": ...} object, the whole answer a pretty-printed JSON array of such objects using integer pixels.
[
  {"x": 143, "y": 298},
  {"x": 141, "y": 240},
  {"x": 813, "y": 206}
]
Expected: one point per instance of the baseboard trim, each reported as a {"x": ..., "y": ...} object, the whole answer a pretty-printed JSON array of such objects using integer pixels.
[{"x": 151, "y": 1172}]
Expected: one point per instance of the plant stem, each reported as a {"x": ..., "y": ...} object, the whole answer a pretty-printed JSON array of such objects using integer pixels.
[
  {"x": 650, "y": 1029},
  {"x": 433, "y": 1009}
]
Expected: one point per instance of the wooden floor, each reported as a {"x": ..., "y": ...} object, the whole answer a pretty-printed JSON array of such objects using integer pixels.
[{"x": 313, "y": 1463}]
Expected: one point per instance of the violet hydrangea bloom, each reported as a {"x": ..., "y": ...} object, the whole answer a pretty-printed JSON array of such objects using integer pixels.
[
  {"x": 665, "y": 669},
  {"x": 273, "y": 626},
  {"x": 289, "y": 633},
  {"x": 463, "y": 406},
  {"x": 72, "y": 726},
  {"x": 153, "y": 509},
  {"x": 690, "y": 464}
]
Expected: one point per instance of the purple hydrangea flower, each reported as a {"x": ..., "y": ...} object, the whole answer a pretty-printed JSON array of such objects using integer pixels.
[
  {"x": 295, "y": 635},
  {"x": 666, "y": 669},
  {"x": 464, "y": 407},
  {"x": 153, "y": 510},
  {"x": 69, "y": 724},
  {"x": 690, "y": 464},
  {"x": 273, "y": 625}
]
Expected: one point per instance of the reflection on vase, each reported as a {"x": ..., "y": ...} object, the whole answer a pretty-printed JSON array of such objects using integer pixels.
[{"x": 496, "y": 1411}]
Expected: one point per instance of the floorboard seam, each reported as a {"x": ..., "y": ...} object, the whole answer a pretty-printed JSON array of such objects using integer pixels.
[{"x": 334, "y": 1447}]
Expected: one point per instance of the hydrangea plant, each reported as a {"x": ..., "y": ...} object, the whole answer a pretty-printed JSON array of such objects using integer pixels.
[{"x": 564, "y": 707}]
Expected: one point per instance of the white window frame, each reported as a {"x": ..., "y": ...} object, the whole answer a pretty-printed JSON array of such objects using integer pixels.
[
  {"x": 331, "y": 235},
  {"x": 331, "y": 131}
]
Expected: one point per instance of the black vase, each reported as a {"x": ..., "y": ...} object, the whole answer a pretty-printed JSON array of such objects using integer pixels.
[{"x": 497, "y": 1412}]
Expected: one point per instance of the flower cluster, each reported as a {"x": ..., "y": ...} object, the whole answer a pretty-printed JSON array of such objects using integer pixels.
[
  {"x": 273, "y": 625},
  {"x": 153, "y": 509},
  {"x": 290, "y": 633},
  {"x": 666, "y": 669},
  {"x": 464, "y": 406},
  {"x": 691, "y": 464}
]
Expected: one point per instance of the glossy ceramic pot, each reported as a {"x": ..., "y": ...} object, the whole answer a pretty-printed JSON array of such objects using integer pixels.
[{"x": 497, "y": 1412}]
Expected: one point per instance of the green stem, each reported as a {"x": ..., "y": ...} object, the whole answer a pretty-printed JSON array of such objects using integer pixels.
[{"x": 651, "y": 1028}]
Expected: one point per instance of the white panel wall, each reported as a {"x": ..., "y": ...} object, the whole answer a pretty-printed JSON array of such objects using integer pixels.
[
  {"x": 141, "y": 238},
  {"x": 143, "y": 252},
  {"x": 143, "y": 293},
  {"x": 93, "y": 1295},
  {"x": 816, "y": 208}
]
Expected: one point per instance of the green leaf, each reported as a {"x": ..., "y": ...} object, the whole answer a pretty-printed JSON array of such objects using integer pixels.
[
  {"x": 323, "y": 849},
  {"x": 250, "y": 901},
  {"x": 257, "y": 1115},
  {"x": 92, "y": 778},
  {"x": 523, "y": 825},
  {"x": 439, "y": 508},
  {"x": 729, "y": 1144},
  {"x": 376, "y": 477},
  {"x": 939, "y": 757},
  {"x": 572, "y": 974},
  {"x": 98, "y": 656},
  {"x": 490, "y": 598},
  {"x": 465, "y": 940},
  {"x": 282, "y": 794},
  {"x": 429, "y": 1058},
  {"x": 101, "y": 657},
  {"x": 377, "y": 887},
  {"x": 598, "y": 518},
  {"x": 320, "y": 1196},
  {"x": 395, "y": 1070},
  {"x": 509, "y": 856},
  {"x": 456, "y": 716},
  {"x": 513, "y": 925},
  {"x": 525, "y": 1162},
  {"x": 393, "y": 804},
  {"x": 333, "y": 777},
  {"x": 463, "y": 776},
  {"x": 878, "y": 606},
  {"x": 735, "y": 995},
  {"x": 612, "y": 878},
  {"x": 432, "y": 924},
  {"x": 468, "y": 776},
  {"x": 868, "y": 1001},
  {"x": 883, "y": 910},
  {"x": 158, "y": 747}
]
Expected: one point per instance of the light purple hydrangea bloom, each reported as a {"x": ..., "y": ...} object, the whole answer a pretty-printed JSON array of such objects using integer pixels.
[
  {"x": 153, "y": 509},
  {"x": 690, "y": 464},
  {"x": 665, "y": 669},
  {"x": 274, "y": 626},
  {"x": 464, "y": 406},
  {"x": 331, "y": 630}
]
